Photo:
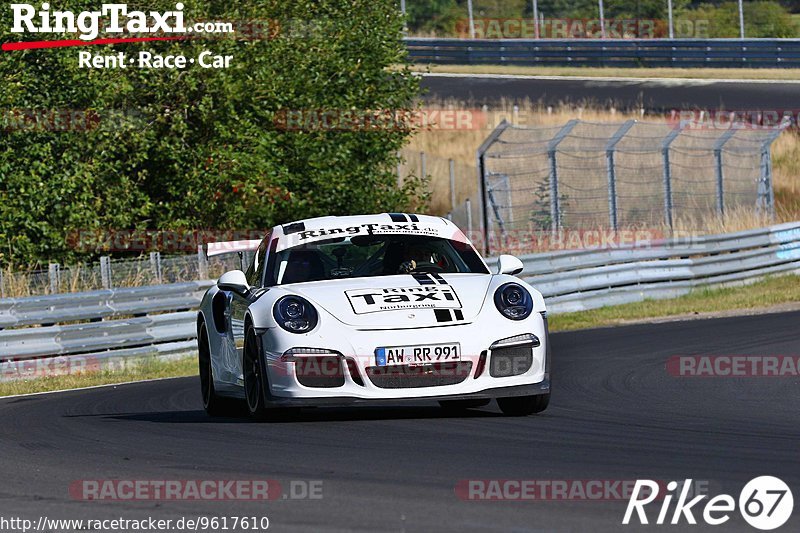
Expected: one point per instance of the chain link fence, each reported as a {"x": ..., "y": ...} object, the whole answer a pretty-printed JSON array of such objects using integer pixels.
[
  {"x": 588, "y": 175},
  {"x": 115, "y": 273}
]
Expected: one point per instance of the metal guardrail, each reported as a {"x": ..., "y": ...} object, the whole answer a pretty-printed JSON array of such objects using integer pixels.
[
  {"x": 718, "y": 53},
  {"x": 576, "y": 280},
  {"x": 96, "y": 329}
]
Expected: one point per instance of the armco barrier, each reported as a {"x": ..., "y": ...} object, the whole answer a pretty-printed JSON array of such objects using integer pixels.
[
  {"x": 717, "y": 53},
  {"x": 160, "y": 320},
  {"x": 576, "y": 280},
  {"x": 97, "y": 329}
]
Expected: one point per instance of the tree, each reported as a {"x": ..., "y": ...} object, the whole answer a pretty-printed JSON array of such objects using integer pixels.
[{"x": 203, "y": 148}]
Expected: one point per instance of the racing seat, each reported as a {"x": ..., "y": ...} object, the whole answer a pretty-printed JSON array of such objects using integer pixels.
[{"x": 304, "y": 265}]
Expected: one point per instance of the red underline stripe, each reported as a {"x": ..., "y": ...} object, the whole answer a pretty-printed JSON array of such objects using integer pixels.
[{"x": 32, "y": 45}]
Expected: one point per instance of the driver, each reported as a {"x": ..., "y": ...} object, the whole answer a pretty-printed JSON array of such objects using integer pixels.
[{"x": 416, "y": 255}]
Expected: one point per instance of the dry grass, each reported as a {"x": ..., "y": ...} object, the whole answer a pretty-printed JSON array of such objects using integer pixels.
[
  {"x": 441, "y": 145},
  {"x": 146, "y": 369},
  {"x": 598, "y": 72},
  {"x": 763, "y": 294}
]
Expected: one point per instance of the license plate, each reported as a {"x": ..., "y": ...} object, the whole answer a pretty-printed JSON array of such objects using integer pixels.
[{"x": 417, "y": 355}]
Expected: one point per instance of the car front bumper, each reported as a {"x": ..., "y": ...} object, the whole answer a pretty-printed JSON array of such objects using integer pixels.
[{"x": 358, "y": 386}]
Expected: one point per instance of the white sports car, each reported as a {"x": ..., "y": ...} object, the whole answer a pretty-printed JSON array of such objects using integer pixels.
[{"x": 389, "y": 307}]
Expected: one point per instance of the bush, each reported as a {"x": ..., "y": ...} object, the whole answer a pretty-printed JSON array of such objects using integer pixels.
[
  {"x": 761, "y": 19},
  {"x": 201, "y": 148}
]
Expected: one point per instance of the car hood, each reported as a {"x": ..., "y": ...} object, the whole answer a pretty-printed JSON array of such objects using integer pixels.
[{"x": 401, "y": 301}]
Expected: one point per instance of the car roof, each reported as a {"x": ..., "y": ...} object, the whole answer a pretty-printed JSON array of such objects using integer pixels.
[{"x": 321, "y": 228}]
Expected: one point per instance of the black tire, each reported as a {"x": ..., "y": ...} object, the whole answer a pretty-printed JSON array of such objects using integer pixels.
[
  {"x": 462, "y": 405},
  {"x": 214, "y": 404},
  {"x": 255, "y": 379},
  {"x": 524, "y": 405}
]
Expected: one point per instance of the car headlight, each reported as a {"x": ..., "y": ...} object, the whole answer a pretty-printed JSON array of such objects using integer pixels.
[
  {"x": 513, "y": 301},
  {"x": 295, "y": 314}
]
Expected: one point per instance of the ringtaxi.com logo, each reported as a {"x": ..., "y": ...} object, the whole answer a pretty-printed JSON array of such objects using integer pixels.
[{"x": 765, "y": 503}]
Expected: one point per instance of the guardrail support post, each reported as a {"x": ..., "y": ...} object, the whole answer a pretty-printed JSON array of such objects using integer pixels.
[
  {"x": 612, "y": 173},
  {"x": 54, "y": 273},
  {"x": 105, "y": 272},
  {"x": 552, "y": 147},
  {"x": 155, "y": 266}
]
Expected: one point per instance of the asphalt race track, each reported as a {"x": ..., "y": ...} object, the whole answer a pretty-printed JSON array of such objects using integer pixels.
[
  {"x": 654, "y": 95},
  {"x": 615, "y": 415}
]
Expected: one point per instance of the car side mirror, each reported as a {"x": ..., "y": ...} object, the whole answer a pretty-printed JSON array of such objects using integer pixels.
[
  {"x": 233, "y": 281},
  {"x": 508, "y": 264}
]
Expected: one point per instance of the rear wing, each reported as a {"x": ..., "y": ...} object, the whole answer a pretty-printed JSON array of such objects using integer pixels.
[{"x": 218, "y": 248}]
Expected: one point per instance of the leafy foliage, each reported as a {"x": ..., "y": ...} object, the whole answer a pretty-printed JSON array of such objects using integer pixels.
[
  {"x": 761, "y": 19},
  {"x": 201, "y": 148}
]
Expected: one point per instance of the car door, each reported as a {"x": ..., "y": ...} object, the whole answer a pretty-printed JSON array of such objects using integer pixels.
[{"x": 240, "y": 303}]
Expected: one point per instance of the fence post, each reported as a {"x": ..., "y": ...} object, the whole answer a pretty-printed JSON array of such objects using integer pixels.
[
  {"x": 481, "y": 160},
  {"x": 2, "y": 286},
  {"x": 468, "y": 208},
  {"x": 452, "y": 185},
  {"x": 612, "y": 173},
  {"x": 155, "y": 266},
  {"x": 552, "y": 147},
  {"x": 766, "y": 192},
  {"x": 423, "y": 167},
  {"x": 725, "y": 137},
  {"x": 667, "y": 174},
  {"x": 493, "y": 202},
  {"x": 202, "y": 263},
  {"x": 764, "y": 202},
  {"x": 105, "y": 271},
  {"x": 53, "y": 272}
]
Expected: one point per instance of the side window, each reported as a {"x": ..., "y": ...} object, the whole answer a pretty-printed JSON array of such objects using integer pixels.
[{"x": 256, "y": 270}]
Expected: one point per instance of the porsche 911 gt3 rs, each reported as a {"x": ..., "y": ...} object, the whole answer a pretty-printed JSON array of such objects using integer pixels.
[{"x": 370, "y": 308}]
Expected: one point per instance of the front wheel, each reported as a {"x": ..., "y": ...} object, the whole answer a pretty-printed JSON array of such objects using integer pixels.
[
  {"x": 524, "y": 405},
  {"x": 254, "y": 375}
]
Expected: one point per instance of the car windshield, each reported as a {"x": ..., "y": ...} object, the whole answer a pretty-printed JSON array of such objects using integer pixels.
[{"x": 373, "y": 255}]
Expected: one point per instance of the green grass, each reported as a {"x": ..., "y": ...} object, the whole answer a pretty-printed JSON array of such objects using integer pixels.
[
  {"x": 704, "y": 73},
  {"x": 145, "y": 369},
  {"x": 767, "y": 293}
]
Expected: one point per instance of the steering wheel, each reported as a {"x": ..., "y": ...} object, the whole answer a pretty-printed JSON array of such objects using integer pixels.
[{"x": 428, "y": 268}]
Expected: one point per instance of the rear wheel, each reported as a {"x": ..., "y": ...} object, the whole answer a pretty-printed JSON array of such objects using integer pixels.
[
  {"x": 524, "y": 405},
  {"x": 461, "y": 405},
  {"x": 214, "y": 404}
]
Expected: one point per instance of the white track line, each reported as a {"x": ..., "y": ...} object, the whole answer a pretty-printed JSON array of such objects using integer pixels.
[
  {"x": 665, "y": 81},
  {"x": 90, "y": 388}
]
